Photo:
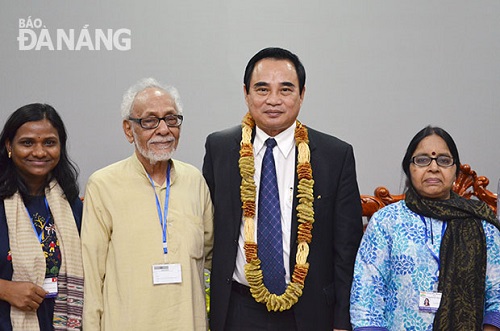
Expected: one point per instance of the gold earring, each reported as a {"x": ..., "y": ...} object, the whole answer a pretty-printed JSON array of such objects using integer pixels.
[{"x": 10, "y": 154}]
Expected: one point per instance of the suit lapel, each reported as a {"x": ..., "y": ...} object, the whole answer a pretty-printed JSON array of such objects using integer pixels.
[{"x": 234, "y": 179}]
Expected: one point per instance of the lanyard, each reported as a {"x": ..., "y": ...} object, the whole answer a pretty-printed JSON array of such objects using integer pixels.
[
  {"x": 443, "y": 229},
  {"x": 39, "y": 235},
  {"x": 163, "y": 216}
]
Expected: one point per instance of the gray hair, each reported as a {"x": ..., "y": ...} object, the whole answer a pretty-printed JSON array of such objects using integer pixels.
[{"x": 141, "y": 85}]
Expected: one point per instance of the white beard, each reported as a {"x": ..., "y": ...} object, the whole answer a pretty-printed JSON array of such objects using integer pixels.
[{"x": 154, "y": 156}]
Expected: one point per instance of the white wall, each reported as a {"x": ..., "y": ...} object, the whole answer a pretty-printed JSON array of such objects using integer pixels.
[{"x": 377, "y": 72}]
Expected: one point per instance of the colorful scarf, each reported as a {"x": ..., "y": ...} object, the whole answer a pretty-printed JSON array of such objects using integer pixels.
[
  {"x": 463, "y": 258},
  {"x": 28, "y": 260}
]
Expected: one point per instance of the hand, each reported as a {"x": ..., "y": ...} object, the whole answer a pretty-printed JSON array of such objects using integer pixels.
[
  {"x": 25, "y": 296},
  {"x": 488, "y": 327},
  {"x": 339, "y": 330}
]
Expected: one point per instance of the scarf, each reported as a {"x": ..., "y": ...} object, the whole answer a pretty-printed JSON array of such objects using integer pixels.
[
  {"x": 463, "y": 258},
  {"x": 28, "y": 260}
]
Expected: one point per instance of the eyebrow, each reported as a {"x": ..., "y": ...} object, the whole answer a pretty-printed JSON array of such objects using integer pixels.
[
  {"x": 259, "y": 84},
  {"x": 32, "y": 135},
  {"x": 437, "y": 154},
  {"x": 290, "y": 84},
  {"x": 149, "y": 113}
]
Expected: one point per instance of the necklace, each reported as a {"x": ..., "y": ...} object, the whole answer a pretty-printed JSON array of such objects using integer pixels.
[{"x": 305, "y": 217}]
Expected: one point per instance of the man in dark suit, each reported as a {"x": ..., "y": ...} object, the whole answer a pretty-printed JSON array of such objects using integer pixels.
[{"x": 274, "y": 87}]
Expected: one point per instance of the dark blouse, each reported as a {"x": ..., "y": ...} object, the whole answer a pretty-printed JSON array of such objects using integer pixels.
[{"x": 43, "y": 223}]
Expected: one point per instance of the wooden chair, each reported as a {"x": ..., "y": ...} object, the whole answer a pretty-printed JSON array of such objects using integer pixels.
[{"x": 468, "y": 184}]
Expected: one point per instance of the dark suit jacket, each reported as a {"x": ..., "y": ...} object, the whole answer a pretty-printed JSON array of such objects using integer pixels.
[{"x": 337, "y": 229}]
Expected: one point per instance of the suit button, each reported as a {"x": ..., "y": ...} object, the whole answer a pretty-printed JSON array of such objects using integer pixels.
[{"x": 228, "y": 281}]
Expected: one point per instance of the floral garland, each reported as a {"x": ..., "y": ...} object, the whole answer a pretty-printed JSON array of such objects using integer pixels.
[{"x": 305, "y": 216}]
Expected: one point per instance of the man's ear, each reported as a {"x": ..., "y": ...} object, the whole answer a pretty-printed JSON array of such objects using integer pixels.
[
  {"x": 302, "y": 94},
  {"x": 127, "y": 128},
  {"x": 245, "y": 94}
]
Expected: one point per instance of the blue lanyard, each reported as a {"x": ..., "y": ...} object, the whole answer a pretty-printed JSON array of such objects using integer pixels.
[
  {"x": 163, "y": 216},
  {"x": 39, "y": 235},
  {"x": 443, "y": 229}
]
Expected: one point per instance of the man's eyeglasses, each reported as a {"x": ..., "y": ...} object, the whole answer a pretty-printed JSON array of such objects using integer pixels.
[
  {"x": 153, "y": 122},
  {"x": 424, "y": 160}
]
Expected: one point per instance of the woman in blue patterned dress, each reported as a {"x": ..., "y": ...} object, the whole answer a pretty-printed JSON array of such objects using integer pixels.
[
  {"x": 41, "y": 273},
  {"x": 432, "y": 260}
]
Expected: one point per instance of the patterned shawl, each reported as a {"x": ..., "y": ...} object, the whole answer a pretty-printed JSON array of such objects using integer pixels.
[
  {"x": 463, "y": 258},
  {"x": 28, "y": 260}
]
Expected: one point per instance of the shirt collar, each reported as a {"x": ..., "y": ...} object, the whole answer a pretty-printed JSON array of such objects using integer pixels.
[
  {"x": 140, "y": 168},
  {"x": 285, "y": 140}
]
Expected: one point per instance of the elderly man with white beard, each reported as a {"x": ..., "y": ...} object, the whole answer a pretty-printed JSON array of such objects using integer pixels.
[{"x": 147, "y": 225}]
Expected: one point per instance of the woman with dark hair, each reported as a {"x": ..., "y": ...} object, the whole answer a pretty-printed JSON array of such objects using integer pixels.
[
  {"x": 41, "y": 274},
  {"x": 433, "y": 244}
]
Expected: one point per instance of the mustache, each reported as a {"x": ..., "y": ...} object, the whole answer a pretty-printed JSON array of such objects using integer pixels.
[{"x": 161, "y": 140}]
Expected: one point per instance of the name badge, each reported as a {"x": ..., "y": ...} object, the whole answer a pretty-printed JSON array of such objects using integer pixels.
[
  {"x": 429, "y": 301},
  {"x": 50, "y": 285},
  {"x": 167, "y": 273}
]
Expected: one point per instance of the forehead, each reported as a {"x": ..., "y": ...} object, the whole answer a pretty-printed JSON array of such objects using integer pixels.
[
  {"x": 37, "y": 128},
  {"x": 432, "y": 144},
  {"x": 153, "y": 100},
  {"x": 274, "y": 69}
]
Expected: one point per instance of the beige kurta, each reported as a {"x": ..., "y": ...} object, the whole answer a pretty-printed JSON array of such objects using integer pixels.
[{"x": 122, "y": 240}]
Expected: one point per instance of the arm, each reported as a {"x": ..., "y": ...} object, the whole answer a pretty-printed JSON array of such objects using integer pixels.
[
  {"x": 369, "y": 288},
  {"x": 25, "y": 296},
  {"x": 208, "y": 218},
  {"x": 96, "y": 234},
  {"x": 209, "y": 179},
  {"x": 207, "y": 169},
  {"x": 348, "y": 230},
  {"x": 492, "y": 295}
]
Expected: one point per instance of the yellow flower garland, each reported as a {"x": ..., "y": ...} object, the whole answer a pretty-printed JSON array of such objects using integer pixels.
[{"x": 305, "y": 216}]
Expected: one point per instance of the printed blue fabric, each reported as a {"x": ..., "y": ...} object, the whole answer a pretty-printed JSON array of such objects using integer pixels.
[{"x": 397, "y": 259}]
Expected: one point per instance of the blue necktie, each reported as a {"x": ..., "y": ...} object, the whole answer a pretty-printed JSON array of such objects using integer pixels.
[{"x": 269, "y": 235}]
